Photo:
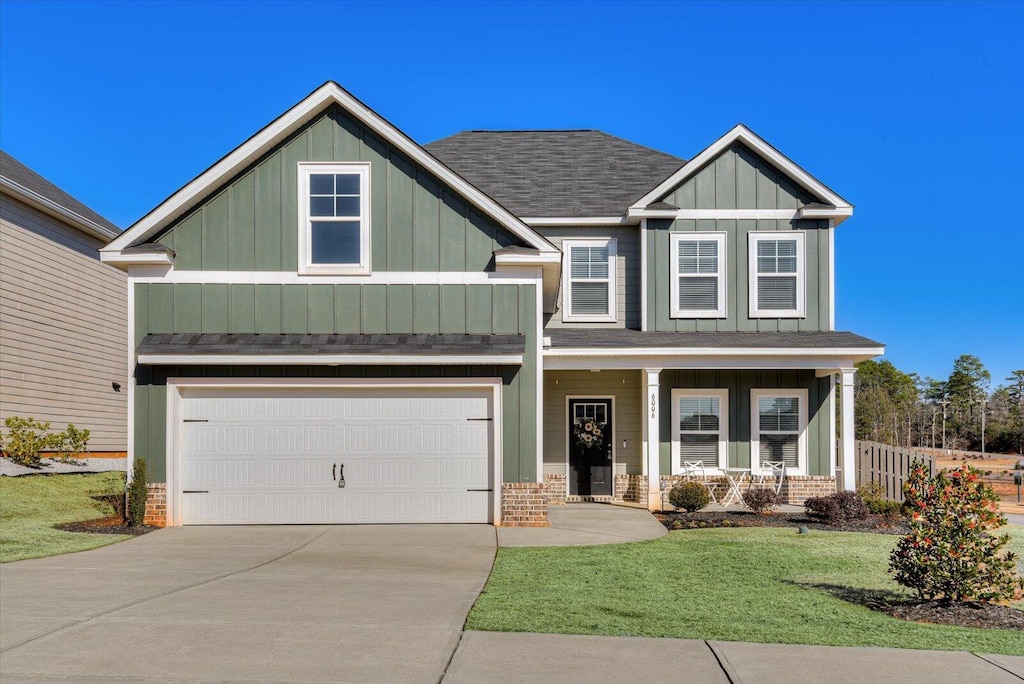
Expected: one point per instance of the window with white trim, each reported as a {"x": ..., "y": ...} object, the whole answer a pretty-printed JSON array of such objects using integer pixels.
[
  {"x": 777, "y": 275},
  {"x": 779, "y": 428},
  {"x": 698, "y": 275},
  {"x": 589, "y": 281},
  {"x": 334, "y": 218},
  {"x": 700, "y": 428}
]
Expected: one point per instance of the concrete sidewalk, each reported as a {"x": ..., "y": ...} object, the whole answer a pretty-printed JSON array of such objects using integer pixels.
[
  {"x": 508, "y": 657},
  {"x": 585, "y": 524}
]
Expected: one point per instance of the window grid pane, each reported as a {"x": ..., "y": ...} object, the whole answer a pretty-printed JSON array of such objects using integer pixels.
[
  {"x": 699, "y": 430},
  {"x": 698, "y": 275},
  {"x": 590, "y": 281},
  {"x": 779, "y": 429}
]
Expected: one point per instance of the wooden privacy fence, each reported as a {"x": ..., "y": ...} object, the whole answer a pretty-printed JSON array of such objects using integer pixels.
[{"x": 888, "y": 465}]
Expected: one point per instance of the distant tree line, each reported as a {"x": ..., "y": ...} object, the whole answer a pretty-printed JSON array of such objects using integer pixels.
[{"x": 903, "y": 409}]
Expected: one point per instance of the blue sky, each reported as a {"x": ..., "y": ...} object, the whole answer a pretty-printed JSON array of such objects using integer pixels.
[{"x": 911, "y": 111}]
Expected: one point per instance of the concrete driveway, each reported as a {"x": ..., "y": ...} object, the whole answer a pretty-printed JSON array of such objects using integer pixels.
[{"x": 339, "y": 604}]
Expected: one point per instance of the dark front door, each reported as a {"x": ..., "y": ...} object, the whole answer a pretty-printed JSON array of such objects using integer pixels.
[{"x": 590, "y": 447}]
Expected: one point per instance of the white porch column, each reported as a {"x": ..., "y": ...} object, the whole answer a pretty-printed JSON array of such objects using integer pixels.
[
  {"x": 652, "y": 443},
  {"x": 846, "y": 446}
]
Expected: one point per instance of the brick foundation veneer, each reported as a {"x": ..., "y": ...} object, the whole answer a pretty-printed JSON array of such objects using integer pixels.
[
  {"x": 524, "y": 504},
  {"x": 631, "y": 488},
  {"x": 156, "y": 504},
  {"x": 555, "y": 489},
  {"x": 795, "y": 488}
]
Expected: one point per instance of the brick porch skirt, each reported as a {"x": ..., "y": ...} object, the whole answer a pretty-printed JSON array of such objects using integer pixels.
[
  {"x": 524, "y": 504},
  {"x": 795, "y": 488},
  {"x": 626, "y": 488},
  {"x": 156, "y": 504}
]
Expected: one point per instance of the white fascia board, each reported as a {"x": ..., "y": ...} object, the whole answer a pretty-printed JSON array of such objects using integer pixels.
[
  {"x": 279, "y": 129},
  {"x": 58, "y": 211},
  {"x": 718, "y": 352},
  {"x": 695, "y": 362},
  {"x": 330, "y": 359},
  {"x": 743, "y": 134},
  {"x": 546, "y": 221},
  {"x": 528, "y": 259},
  {"x": 119, "y": 259}
]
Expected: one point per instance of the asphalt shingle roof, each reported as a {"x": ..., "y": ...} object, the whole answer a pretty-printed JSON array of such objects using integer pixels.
[
  {"x": 14, "y": 170},
  {"x": 556, "y": 173},
  {"x": 621, "y": 337},
  {"x": 289, "y": 343}
]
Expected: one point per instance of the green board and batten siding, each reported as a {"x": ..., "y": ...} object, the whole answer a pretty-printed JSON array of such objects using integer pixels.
[
  {"x": 251, "y": 223},
  {"x": 498, "y": 309},
  {"x": 739, "y": 384},
  {"x": 738, "y": 179}
]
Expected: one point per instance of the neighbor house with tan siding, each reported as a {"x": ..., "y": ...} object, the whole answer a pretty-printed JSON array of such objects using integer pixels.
[{"x": 63, "y": 312}]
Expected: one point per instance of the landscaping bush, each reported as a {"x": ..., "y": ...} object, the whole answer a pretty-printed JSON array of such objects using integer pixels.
[
  {"x": 838, "y": 508},
  {"x": 26, "y": 437},
  {"x": 761, "y": 500},
  {"x": 950, "y": 554},
  {"x": 137, "y": 494},
  {"x": 690, "y": 496},
  {"x": 70, "y": 444},
  {"x": 889, "y": 509}
]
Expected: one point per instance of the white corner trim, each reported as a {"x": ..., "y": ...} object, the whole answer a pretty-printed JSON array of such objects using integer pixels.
[
  {"x": 293, "y": 119},
  {"x": 675, "y": 276},
  {"x": 743, "y": 134},
  {"x": 722, "y": 394},
  {"x": 331, "y": 359},
  {"x": 755, "y": 427},
  {"x": 643, "y": 275},
  {"x": 801, "y": 274},
  {"x": 59, "y": 211},
  {"x": 831, "y": 275}
]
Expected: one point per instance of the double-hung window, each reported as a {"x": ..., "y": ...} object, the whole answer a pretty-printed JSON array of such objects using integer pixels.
[
  {"x": 698, "y": 275},
  {"x": 589, "y": 281},
  {"x": 777, "y": 275},
  {"x": 334, "y": 218},
  {"x": 778, "y": 428},
  {"x": 700, "y": 428}
]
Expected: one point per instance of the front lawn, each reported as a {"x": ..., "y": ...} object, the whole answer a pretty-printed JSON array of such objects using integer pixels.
[
  {"x": 31, "y": 505},
  {"x": 766, "y": 585}
]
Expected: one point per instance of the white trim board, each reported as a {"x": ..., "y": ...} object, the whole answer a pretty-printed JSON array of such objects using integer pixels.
[
  {"x": 331, "y": 359},
  {"x": 330, "y": 93},
  {"x": 741, "y": 133},
  {"x": 610, "y": 361},
  {"x": 517, "y": 277},
  {"x": 176, "y": 387}
]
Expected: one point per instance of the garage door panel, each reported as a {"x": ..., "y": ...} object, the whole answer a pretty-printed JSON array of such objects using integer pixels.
[{"x": 267, "y": 456}]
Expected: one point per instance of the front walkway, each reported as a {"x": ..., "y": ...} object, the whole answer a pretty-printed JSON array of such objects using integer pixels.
[
  {"x": 585, "y": 524},
  {"x": 510, "y": 657}
]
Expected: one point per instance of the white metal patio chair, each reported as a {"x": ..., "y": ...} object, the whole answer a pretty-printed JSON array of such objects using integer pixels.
[
  {"x": 694, "y": 471},
  {"x": 773, "y": 469}
]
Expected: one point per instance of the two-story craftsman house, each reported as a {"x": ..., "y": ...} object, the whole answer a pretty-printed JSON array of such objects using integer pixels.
[{"x": 336, "y": 324}]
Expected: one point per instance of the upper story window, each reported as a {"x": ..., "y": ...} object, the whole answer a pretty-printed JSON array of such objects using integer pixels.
[
  {"x": 778, "y": 430},
  {"x": 700, "y": 428},
  {"x": 777, "y": 275},
  {"x": 334, "y": 218},
  {"x": 698, "y": 275},
  {"x": 589, "y": 285}
]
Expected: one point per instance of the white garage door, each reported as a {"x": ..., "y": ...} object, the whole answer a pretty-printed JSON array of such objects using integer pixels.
[{"x": 333, "y": 456}]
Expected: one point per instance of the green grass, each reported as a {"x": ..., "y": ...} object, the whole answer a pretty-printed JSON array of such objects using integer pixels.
[
  {"x": 31, "y": 505},
  {"x": 765, "y": 585}
]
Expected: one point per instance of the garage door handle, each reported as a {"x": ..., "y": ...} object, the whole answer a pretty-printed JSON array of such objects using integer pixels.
[
  {"x": 341, "y": 479},
  {"x": 195, "y": 491},
  {"x": 334, "y": 471},
  {"x": 479, "y": 490}
]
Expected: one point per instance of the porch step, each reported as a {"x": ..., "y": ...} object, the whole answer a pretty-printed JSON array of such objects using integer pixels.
[{"x": 590, "y": 499}]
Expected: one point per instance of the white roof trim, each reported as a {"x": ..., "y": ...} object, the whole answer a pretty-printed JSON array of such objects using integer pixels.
[
  {"x": 743, "y": 134},
  {"x": 542, "y": 221},
  {"x": 330, "y": 359},
  {"x": 154, "y": 259},
  {"x": 528, "y": 259},
  {"x": 817, "y": 352},
  {"x": 253, "y": 148},
  {"x": 57, "y": 210}
]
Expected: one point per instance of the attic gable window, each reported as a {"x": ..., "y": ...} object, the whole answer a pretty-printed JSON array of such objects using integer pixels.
[
  {"x": 589, "y": 281},
  {"x": 777, "y": 275},
  {"x": 334, "y": 218},
  {"x": 698, "y": 282}
]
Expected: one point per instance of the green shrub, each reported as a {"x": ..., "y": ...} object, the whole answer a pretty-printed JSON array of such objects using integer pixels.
[
  {"x": 690, "y": 496},
  {"x": 70, "y": 444},
  {"x": 837, "y": 509},
  {"x": 950, "y": 554},
  {"x": 26, "y": 437},
  {"x": 884, "y": 507},
  {"x": 137, "y": 494},
  {"x": 761, "y": 500}
]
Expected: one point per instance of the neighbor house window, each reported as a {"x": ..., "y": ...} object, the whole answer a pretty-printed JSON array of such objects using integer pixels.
[
  {"x": 698, "y": 275},
  {"x": 777, "y": 275},
  {"x": 589, "y": 287},
  {"x": 334, "y": 218},
  {"x": 778, "y": 429},
  {"x": 700, "y": 428}
]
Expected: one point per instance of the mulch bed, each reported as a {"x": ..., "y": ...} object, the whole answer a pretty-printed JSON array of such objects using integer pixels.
[
  {"x": 111, "y": 525},
  {"x": 682, "y": 520},
  {"x": 984, "y": 615}
]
